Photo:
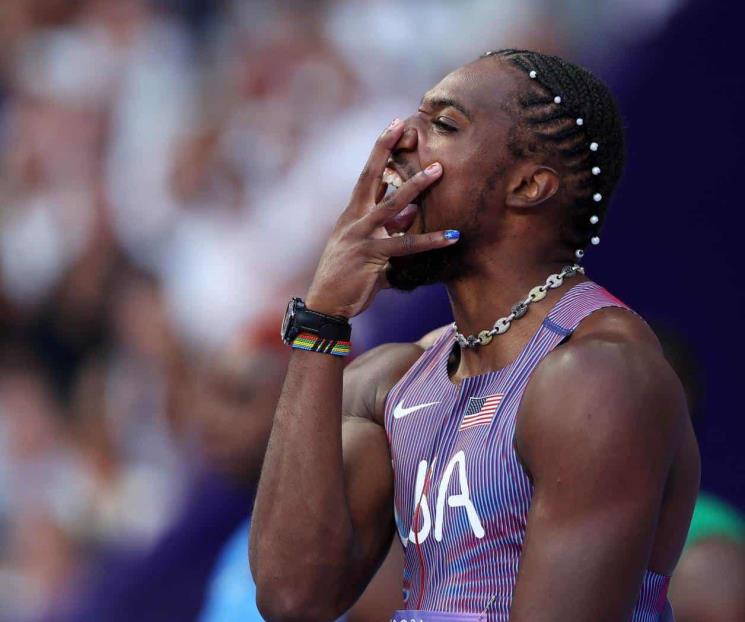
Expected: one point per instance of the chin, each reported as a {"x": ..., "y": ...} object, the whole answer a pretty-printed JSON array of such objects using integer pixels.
[{"x": 436, "y": 266}]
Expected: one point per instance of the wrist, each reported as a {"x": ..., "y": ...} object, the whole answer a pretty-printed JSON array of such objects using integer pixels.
[
  {"x": 319, "y": 305},
  {"x": 313, "y": 343},
  {"x": 309, "y": 329}
]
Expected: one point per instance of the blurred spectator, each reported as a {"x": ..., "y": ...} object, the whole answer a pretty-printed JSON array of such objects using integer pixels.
[
  {"x": 235, "y": 430},
  {"x": 44, "y": 493},
  {"x": 709, "y": 582}
]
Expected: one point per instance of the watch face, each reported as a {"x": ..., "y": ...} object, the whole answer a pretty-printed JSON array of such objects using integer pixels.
[{"x": 287, "y": 320}]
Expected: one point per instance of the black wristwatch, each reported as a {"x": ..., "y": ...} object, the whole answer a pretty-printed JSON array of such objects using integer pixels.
[{"x": 299, "y": 319}]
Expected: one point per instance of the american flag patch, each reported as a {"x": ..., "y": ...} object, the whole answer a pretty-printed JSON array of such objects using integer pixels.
[{"x": 480, "y": 411}]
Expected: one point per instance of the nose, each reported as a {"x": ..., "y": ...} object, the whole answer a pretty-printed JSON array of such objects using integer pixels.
[{"x": 409, "y": 139}]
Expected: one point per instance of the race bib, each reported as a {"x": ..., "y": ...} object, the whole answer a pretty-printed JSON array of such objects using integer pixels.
[{"x": 413, "y": 615}]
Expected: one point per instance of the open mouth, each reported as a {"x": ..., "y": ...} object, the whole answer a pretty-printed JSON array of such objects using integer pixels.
[{"x": 402, "y": 222}]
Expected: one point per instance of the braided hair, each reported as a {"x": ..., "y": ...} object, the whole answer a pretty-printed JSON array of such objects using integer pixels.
[{"x": 564, "y": 110}]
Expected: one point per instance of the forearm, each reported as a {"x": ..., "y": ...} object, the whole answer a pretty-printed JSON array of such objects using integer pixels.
[
  {"x": 301, "y": 534},
  {"x": 312, "y": 539}
]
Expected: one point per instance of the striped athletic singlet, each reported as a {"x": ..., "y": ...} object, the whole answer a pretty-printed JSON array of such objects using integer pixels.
[{"x": 455, "y": 466}]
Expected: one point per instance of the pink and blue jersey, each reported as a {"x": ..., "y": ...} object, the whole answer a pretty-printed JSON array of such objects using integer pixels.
[{"x": 461, "y": 495}]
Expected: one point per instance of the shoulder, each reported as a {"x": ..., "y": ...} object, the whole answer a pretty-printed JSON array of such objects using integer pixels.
[
  {"x": 607, "y": 391},
  {"x": 613, "y": 348},
  {"x": 369, "y": 378},
  {"x": 429, "y": 339}
]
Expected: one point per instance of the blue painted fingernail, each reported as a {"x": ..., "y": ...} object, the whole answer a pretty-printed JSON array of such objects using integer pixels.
[{"x": 451, "y": 234}]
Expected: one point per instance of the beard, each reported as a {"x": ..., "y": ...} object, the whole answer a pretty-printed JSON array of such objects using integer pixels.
[
  {"x": 443, "y": 265},
  {"x": 435, "y": 266}
]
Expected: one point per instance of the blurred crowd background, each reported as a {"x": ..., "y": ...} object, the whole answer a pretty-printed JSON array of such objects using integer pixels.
[{"x": 169, "y": 171}]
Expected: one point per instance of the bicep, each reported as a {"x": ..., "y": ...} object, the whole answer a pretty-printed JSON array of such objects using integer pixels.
[
  {"x": 585, "y": 550},
  {"x": 599, "y": 458}
]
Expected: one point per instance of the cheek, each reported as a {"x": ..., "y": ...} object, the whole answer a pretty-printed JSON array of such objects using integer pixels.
[
  {"x": 464, "y": 202},
  {"x": 465, "y": 163},
  {"x": 447, "y": 205},
  {"x": 460, "y": 181},
  {"x": 468, "y": 171}
]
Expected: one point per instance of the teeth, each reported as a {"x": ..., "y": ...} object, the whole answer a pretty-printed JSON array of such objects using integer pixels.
[
  {"x": 392, "y": 178},
  {"x": 398, "y": 234}
]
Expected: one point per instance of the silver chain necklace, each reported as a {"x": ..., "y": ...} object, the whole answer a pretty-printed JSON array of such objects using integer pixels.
[{"x": 503, "y": 324}]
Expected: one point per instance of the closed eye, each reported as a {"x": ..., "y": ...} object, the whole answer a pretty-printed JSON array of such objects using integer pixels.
[{"x": 443, "y": 126}]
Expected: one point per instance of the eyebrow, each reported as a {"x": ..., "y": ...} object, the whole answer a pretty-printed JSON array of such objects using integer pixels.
[{"x": 444, "y": 102}]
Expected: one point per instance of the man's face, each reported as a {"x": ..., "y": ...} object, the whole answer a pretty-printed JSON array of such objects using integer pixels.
[{"x": 461, "y": 125}]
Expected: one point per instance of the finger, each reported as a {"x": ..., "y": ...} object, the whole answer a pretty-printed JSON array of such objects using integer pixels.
[
  {"x": 382, "y": 282},
  {"x": 411, "y": 243},
  {"x": 381, "y": 192},
  {"x": 406, "y": 194},
  {"x": 370, "y": 178}
]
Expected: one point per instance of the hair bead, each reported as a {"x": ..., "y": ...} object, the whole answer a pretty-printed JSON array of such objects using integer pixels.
[{"x": 565, "y": 79}]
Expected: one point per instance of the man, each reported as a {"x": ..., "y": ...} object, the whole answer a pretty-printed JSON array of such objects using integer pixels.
[
  {"x": 541, "y": 469},
  {"x": 709, "y": 582}
]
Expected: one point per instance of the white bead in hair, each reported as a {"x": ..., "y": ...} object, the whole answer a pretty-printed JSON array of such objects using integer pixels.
[
  {"x": 595, "y": 240},
  {"x": 597, "y": 197},
  {"x": 594, "y": 146},
  {"x": 533, "y": 73},
  {"x": 594, "y": 219},
  {"x": 579, "y": 253},
  {"x": 557, "y": 100},
  {"x": 580, "y": 121},
  {"x": 596, "y": 170}
]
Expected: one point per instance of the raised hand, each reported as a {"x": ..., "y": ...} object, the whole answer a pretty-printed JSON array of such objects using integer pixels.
[{"x": 352, "y": 268}]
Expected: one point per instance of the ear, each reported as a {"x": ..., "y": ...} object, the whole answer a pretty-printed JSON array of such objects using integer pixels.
[{"x": 531, "y": 184}]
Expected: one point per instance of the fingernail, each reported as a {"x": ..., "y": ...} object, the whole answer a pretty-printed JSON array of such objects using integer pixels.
[
  {"x": 433, "y": 168},
  {"x": 394, "y": 123},
  {"x": 451, "y": 234}
]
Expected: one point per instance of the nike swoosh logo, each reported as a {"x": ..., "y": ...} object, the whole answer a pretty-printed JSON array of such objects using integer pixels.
[{"x": 399, "y": 411}]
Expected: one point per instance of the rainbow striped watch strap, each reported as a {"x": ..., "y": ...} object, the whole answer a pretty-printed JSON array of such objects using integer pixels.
[{"x": 314, "y": 343}]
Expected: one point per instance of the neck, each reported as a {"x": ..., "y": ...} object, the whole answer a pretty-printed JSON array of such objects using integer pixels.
[{"x": 488, "y": 292}]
